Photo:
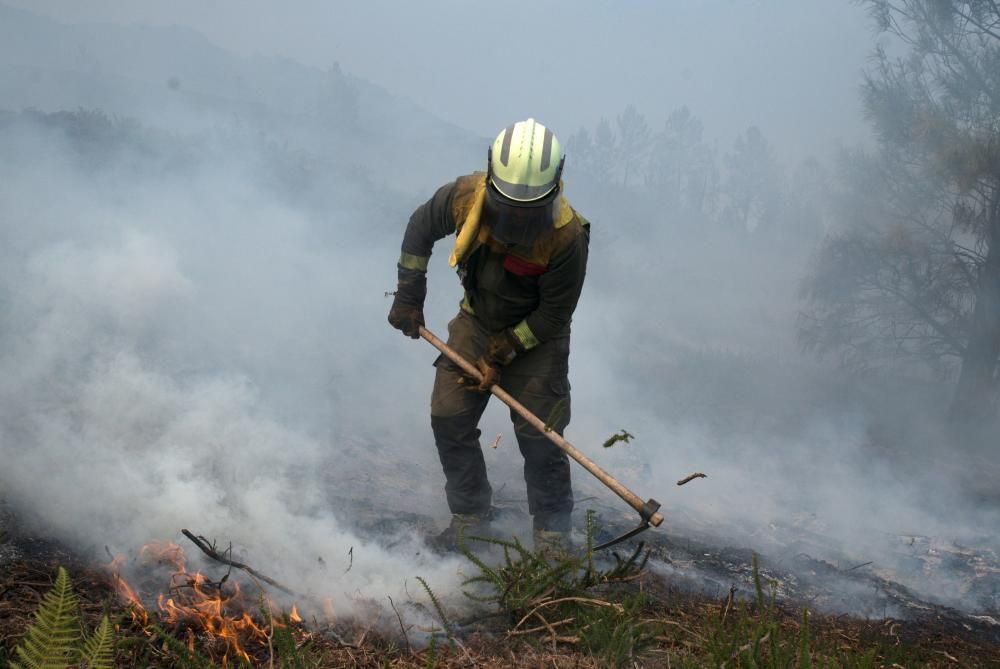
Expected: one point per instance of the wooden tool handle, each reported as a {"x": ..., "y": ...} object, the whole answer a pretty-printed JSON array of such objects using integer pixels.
[{"x": 611, "y": 482}]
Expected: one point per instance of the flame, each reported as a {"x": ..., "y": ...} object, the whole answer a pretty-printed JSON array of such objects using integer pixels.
[
  {"x": 167, "y": 553},
  {"x": 127, "y": 593},
  {"x": 195, "y": 606}
]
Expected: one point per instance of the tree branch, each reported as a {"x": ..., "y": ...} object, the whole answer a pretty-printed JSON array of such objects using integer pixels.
[{"x": 210, "y": 551}]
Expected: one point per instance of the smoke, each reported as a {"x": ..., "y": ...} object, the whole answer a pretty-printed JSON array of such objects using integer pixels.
[
  {"x": 173, "y": 346},
  {"x": 193, "y": 335},
  {"x": 695, "y": 355}
]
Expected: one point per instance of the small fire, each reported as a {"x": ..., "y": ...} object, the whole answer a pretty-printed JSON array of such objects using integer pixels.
[{"x": 195, "y": 606}]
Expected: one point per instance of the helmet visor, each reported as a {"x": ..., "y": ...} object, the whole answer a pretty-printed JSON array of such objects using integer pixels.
[{"x": 517, "y": 224}]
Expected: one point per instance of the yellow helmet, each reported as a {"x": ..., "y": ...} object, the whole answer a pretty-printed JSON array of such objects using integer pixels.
[{"x": 525, "y": 164}]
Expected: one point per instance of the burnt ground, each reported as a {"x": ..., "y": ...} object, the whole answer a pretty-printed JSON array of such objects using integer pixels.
[
  {"x": 855, "y": 600},
  {"x": 689, "y": 582}
]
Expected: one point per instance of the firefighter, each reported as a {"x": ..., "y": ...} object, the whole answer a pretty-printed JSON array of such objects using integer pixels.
[{"x": 521, "y": 254}]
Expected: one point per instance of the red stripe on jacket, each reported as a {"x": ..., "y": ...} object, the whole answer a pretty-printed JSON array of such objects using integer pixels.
[{"x": 522, "y": 267}]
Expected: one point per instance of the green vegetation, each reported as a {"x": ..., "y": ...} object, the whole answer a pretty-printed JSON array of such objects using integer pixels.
[
  {"x": 53, "y": 641},
  {"x": 441, "y": 614},
  {"x": 564, "y": 598},
  {"x": 552, "y": 610},
  {"x": 567, "y": 606},
  {"x": 624, "y": 436}
]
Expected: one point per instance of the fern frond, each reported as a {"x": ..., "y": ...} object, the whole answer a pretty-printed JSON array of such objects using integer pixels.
[
  {"x": 474, "y": 559},
  {"x": 479, "y": 579},
  {"x": 439, "y": 609},
  {"x": 49, "y": 640},
  {"x": 485, "y": 599},
  {"x": 99, "y": 648},
  {"x": 544, "y": 581},
  {"x": 525, "y": 554}
]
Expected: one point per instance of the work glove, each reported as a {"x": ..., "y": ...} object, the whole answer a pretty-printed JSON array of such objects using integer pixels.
[
  {"x": 501, "y": 350},
  {"x": 407, "y": 311},
  {"x": 504, "y": 346}
]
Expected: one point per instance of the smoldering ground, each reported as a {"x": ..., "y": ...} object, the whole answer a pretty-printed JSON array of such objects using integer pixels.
[{"x": 194, "y": 336}]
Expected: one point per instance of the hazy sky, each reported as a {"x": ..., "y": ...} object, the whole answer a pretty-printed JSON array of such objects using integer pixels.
[{"x": 793, "y": 68}]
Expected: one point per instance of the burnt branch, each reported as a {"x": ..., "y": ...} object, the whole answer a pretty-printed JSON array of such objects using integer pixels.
[{"x": 210, "y": 551}]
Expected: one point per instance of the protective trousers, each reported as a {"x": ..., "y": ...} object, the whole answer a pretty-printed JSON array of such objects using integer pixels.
[{"x": 537, "y": 379}]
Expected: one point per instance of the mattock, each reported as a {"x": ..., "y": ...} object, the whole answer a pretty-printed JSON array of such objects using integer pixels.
[{"x": 648, "y": 510}]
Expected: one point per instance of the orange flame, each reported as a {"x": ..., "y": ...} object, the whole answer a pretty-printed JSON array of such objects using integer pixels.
[{"x": 195, "y": 605}]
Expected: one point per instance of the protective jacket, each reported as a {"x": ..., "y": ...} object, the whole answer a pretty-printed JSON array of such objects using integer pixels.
[{"x": 531, "y": 289}]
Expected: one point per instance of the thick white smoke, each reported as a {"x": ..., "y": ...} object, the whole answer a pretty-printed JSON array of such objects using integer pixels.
[{"x": 172, "y": 352}]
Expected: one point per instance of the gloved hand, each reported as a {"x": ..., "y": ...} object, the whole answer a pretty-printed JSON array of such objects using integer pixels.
[
  {"x": 491, "y": 375},
  {"x": 502, "y": 348},
  {"x": 407, "y": 311}
]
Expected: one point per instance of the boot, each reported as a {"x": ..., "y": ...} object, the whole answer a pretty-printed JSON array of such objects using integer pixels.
[
  {"x": 462, "y": 525},
  {"x": 552, "y": 544}
]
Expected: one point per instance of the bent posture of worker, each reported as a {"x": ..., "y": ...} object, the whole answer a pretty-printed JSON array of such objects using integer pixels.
[{"x": 521, "y": 254}]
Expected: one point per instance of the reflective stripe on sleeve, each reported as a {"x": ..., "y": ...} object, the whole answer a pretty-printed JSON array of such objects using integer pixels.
[
  {"x": 525, "y": 336},
  {"x": 410, "y": 261}
]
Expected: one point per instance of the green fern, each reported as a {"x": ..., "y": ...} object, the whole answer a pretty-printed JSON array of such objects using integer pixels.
[
  {"x": 440, "y": 611},
  {"x": 99, "y": 648},
  {"x": 49, "y": 641}
]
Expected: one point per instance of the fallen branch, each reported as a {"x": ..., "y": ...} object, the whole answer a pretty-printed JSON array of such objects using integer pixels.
[
  {"x": 540, "y": 628},
  {"x": 207, "y": 549},
  {"x": 692, "y": 477},
  {"x": 550, "y": 628},
  {"x": 581, "y": 600}
]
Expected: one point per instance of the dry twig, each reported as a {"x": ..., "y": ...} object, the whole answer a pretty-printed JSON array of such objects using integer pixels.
[
  {"x": 692, "y": 477},
  {"x": 582, "y": 600},
  {"x": 401, "y": 627},
  {"x": 532, "y": 630},
  {"x": 210, "y": 551}
]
